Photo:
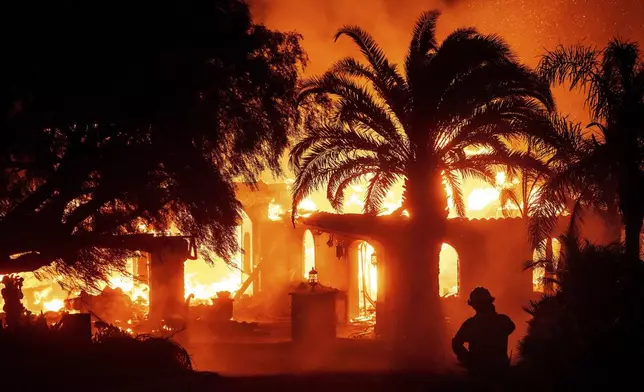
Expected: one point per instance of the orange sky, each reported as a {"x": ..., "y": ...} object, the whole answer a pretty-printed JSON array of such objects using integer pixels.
[{"x": 530, "y": 26}]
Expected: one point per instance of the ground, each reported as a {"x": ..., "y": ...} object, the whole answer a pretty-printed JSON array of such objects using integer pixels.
[
  {"x": 269, "y": 361},
  {"x": 329, "y": 382},
  {"x": 271, "y": 352}
]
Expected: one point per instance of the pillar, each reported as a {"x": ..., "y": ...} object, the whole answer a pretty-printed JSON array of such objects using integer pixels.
[
  {"x": 141, "y": 268},
  {"x": 167, "y": 280}
]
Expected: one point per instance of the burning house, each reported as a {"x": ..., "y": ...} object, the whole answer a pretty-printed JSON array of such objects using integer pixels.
[{"x": 170, "y": 276}]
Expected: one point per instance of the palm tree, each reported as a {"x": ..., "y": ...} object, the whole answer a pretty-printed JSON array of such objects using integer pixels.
[
  {"x": 386, "y": 126},
  {"x": 595, "y": 313},
  {"x": 610, "y": 166},
  {"x": 522, "y": 194},
  {"x": 521, "y": 197}
]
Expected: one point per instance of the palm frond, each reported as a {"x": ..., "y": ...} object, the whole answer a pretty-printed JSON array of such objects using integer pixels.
[
  {"x": 394, "y": 96},
  {"x": 509, "y": 196},
  {"x": 423, "y": 41},
  {"x": 576, "y": 65},
  {"x": 424, "y": 34},
  {"x": 492, "y": 82},
  {"x": 510, "y": 159},
  {"x": 373, "y": 53},
  {"x": 461, "y": 52},
  {"x": 356, "y": 102},
  {"x": 456, "y": 186},
  {"x": 332, "y": 136},
  {"x": 377, "y": 190},
  {"x": 342, "y": 177}
]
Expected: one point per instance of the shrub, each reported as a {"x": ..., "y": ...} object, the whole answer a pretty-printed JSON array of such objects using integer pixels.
[
  {"x": 113, "y": 357},
  {"x": 591, "y": 329}
]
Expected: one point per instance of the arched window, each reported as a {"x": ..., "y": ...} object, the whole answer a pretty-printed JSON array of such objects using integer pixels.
[
  {"x": 448, "y": 271},
  {"x": 309, "y": 253},
  {"x": 367, "y": 277}
]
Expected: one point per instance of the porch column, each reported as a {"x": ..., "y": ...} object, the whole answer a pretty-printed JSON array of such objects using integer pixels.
[{"x": 167, "y": 280}]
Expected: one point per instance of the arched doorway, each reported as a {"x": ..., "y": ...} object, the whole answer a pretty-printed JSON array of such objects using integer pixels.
[
  {"x": 448, "y": 271},
  {"x": 548, "y": 251},
  {"x": 367, "y": 278},
  {"x": 309, "y": 253},
  {"x": 204, "y": 280}
]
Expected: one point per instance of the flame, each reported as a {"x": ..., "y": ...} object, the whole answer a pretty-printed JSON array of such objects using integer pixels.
[
  {"x": 448, "y": 271},
  {"x": 309, "y": 253},
  {"x": 54, "y": 305},
  {"x": 480, "y": 198},
  {"x": 47, "y": 295},
  {"x": 204, "y": 281},
  {"x": 275, "y": 211},
  {"x": 204, "y": 292},
  {"x": 367, "y": 277},
  {"x": 307, "y": 205},
  {"x": 304, "y": 209},
  {"x": 131, "y": 287}
]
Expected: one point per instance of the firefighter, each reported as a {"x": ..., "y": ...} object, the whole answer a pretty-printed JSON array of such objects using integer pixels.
[{"x": 486, "y": 334}]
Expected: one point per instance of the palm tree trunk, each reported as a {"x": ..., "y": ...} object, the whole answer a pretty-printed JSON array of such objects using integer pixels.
[
  {"x": 630, "y": 201},
  {"x": 613, "y": 218},
  {"x": 421, "y": 329},
  {"x": 633, "y": 229}
]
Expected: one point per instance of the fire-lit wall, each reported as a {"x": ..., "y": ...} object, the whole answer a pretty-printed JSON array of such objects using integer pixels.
[{"x": 491, "y": 253}]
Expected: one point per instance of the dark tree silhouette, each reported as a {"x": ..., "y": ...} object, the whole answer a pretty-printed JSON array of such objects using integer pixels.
[
  {"x": 384, "y": 126},
  {"x": 520, "y": 195},
  {"x": 118, "y": 115},
  {"x": 608, "y": 169},
  {"x": 590, "y": 332}
]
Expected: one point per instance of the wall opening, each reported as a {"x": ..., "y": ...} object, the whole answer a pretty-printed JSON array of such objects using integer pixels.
[
  {"x": 204, "y": 280},
  {"x": 367, "y": 278},
  {"x": 309, "y": 254},
  {"x": 448, "y": 271},
  {"x": 540, "y": 275}
]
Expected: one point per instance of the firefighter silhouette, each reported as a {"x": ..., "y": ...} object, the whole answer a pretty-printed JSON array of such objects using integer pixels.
[{"x": 486, "y": 335}]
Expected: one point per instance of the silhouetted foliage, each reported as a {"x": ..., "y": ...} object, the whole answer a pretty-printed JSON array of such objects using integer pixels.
[
  {"x": 607, "y": 171},
  {"x": 12, "y": 296},
  {"x": 114, "y": 359},
  {"x": 519, "y": 196},
  {"x": 590, "y": 332},
  {"x": 122, "y": 115}
]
